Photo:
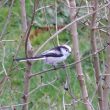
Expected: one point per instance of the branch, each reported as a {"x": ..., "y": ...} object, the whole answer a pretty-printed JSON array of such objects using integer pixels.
[
  {"x": 95, "y": 57},
  {"x": 28, "y": 50},
  {"x": 30, "y": 26},
  {"x": 12, "y": 106},
  {"x": 72, "y": 64},
  {"x": 7, "y": 21},
  {"x": 42, "y": 85},
  {"x": 78, "y": 19}
]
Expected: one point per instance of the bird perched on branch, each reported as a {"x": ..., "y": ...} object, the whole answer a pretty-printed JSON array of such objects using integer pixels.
[{"x": 52, "y": 56}]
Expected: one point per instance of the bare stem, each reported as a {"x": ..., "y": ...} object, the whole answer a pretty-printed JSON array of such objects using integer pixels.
[
  {"x": 79, "y": 70},
  {"x": 69, "y": 65},
  {"x": 72, "y": 22},
  {"x": 28, "y": 51},
  {"x": 94, "y": 49},
  {"x": 7, "y": 20}
]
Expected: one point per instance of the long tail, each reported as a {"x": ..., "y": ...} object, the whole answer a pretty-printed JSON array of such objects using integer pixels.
[{"x": 28, "y": 59}]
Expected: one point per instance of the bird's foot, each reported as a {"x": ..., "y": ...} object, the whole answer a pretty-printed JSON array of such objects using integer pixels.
[
  {"x": 63, "y": 65},
  {"x": 54, "y": 67}
]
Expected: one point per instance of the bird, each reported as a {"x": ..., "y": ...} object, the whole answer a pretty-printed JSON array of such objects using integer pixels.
[{"x": 52, "y": 56}]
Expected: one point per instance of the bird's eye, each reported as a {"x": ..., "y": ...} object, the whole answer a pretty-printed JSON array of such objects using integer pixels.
[{"x": 66, "y": 50}]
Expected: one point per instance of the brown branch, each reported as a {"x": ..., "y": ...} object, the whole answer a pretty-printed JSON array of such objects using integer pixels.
[
  {"x": 69, "y": 65},
  {"x": 29, "y": 28},
  {"x": 78, "y": 19},
  {"x": 94, "y": 49},
  {"x": 76, "y": 51},
  {"x": 28, "y": 67},
  {"x": 7, "y": 20},
  {"x": 28, "y": 50}
]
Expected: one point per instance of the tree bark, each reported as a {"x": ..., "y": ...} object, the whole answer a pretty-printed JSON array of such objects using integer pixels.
[
  {"x": 29, "y": 54},
  {"x": 95, "y": 56},
  {"x": 76, "y": 51},
  {"x": 23, "y": 16}
]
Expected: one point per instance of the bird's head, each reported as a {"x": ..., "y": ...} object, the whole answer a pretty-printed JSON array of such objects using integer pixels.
[{"x": 66, "y": 50}]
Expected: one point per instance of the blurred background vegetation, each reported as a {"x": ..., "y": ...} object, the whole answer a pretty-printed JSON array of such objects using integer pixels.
[{"x": 50, "y": 96}]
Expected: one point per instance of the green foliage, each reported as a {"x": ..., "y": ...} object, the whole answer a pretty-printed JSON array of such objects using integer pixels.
[{"x": 52, "y": 94}]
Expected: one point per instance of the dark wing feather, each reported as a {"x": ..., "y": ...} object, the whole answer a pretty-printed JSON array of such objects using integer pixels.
[
  {"x": 52, "y": 55},
  {"x": 54, "y": 52},
  {"x": 58, "y": 48}
]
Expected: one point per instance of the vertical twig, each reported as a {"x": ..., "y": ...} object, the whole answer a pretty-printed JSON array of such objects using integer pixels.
[
  {"x": 26, "y": 79},
  {"x": 94, "y": 49},
  {"x": 47, "y": 22},
  {"x": 28, "y": 50},
  {"x": 106, "y": 86},
  {"x": 59, "y": 31},
  {"x": 56, "y": 22},
  {"x": 77, "y": 55},
  {"x": 7, "y": 20},
  {"x": 64, "y": 108},
  {"x": 3, "y": 62}
]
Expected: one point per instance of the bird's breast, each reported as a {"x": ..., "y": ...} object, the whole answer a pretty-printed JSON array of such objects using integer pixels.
[{"x": 55, "y": 60}]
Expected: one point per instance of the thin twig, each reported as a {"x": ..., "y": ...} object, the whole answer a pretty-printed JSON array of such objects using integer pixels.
[
  {"x": 69, "y": 65},
  {"x": 59, "y": 31},
  {"x": 28, "y": 50},
  {"x": 7, "y": 21},
  {"x": 42, "y": 85},
  {"x": 3, "y": 62},
  {"x": 8, "y": 41},
  {"x": 29, "y": 28},
  {"x": 13, "y": 105},
  {"x": 64, "y": 108},
  {"x": 43, "y": 8},
  {"x": 2, "y": 4}
]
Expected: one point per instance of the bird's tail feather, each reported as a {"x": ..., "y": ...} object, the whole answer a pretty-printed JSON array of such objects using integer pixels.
[{"x": 28, "y": 59}]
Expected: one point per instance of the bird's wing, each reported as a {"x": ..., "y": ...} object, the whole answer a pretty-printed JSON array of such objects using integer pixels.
[
  {"x": 56, "y": 50},
  {"x": 51, "y": 53}
]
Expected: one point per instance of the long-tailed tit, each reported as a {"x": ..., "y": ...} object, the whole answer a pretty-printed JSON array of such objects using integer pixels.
[{"x": 53, "y": 56}]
